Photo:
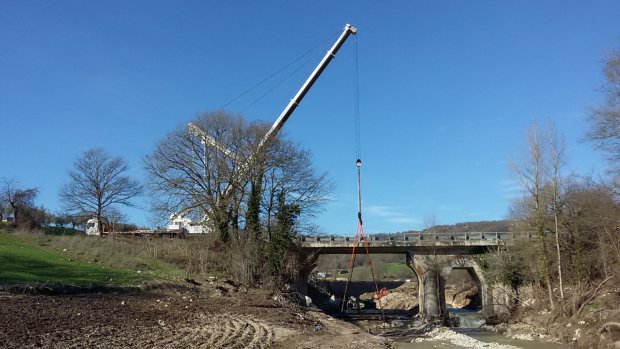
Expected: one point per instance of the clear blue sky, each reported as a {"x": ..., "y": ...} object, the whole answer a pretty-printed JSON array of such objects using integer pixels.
[{"x": 447, "y": 90}]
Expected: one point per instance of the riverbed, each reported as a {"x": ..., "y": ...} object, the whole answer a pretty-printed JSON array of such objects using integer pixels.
[{"x": 448, "y": 338}]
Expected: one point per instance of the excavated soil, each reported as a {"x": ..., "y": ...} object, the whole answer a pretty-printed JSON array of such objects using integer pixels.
[{"x": 207, "y": 316}]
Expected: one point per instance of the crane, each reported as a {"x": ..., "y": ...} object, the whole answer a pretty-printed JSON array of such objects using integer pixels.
[{"x": 284, "y": 116}]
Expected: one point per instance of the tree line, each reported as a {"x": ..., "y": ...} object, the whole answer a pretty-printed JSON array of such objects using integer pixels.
[
  {"x": 253, "y": 194},
  {"x": 574, "y": 219}
]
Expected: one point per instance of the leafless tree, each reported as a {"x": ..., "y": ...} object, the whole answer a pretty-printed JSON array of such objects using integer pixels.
[
  {"x": 97, "y": 183},
  {"x": 289, "y": 171},
  {"x": 605, "y": 120},
  {"x": 556, "y": 162},
  {"x": 215, "y": 171},
  {"x": 189, "y": 176},
  {"x": 591, "y": 218},
  {"x": 531, "y": 173},
  {"x": 115, "y": 217},
  {"x": 18, "y": 199}
]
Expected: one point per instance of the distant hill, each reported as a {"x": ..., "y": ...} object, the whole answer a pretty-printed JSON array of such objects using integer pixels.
[{"x": 482, "y": 226}]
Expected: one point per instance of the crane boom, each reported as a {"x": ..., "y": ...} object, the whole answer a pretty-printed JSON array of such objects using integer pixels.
[
  {"x": 292, "y": 105},
  {"x": 286, "y": 113}
]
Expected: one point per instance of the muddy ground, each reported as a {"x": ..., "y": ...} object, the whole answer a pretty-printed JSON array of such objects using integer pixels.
[{"x": 210, "y": 315}]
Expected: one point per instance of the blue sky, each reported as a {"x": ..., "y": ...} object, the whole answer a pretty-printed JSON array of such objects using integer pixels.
[{"x": 447, "y": 90}]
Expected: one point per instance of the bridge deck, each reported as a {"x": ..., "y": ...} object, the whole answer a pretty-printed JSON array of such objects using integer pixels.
[{"x": 475, "y": 242}]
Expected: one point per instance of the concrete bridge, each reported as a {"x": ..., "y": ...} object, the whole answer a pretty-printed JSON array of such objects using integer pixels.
[{"x": 430, "y": 256}]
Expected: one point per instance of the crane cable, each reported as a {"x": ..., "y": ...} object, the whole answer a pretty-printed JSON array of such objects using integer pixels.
[
  {"x": 312, "y": 52},
  {"x": 359, "y": 233}
]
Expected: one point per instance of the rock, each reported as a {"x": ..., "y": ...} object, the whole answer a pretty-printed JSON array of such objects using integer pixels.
[
  {"x": 226, "y": 286},
  {"x": 463, "y": 298},
  {"x": 193, "y": 282},
  {"x": 404, "y": 297},
  {"x": 398, "y": 300}
]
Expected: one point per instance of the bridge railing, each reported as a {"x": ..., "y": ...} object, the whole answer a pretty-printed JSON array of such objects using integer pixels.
[{"x": 492, "y": 236}]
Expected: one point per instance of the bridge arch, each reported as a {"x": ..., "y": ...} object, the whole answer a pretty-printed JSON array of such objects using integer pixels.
[{"x": 469, "y": 263}]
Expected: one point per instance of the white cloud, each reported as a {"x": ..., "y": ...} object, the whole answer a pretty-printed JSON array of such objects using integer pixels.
[
  {"x": 511, "y": 188},
  {"x": 405, "y": 220},
  {"x": 391, "y": 214}
]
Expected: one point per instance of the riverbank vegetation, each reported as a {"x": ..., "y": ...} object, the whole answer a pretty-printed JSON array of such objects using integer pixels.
[{"x": 570, "y": 265}]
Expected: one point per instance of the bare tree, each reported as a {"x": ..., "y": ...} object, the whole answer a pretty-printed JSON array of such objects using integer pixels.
[
  {"x": 531, "y": 174},
  {"x": 18, "y": 199},
  {"x": 190, "y": 176},
  {"x": 216, "y": 172},
  {"x": 556, "y": 160},
  {"x": 289, "y": 172},
  {"x": 115, "y": 218},
  {"x": 605, "y": 120},
  {"x": 97, "y": 183}
]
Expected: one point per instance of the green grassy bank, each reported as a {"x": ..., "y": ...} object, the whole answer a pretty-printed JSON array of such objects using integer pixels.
[{"x": 26, "y": 258}]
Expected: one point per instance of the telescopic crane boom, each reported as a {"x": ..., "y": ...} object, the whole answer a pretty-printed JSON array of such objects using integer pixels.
[
  {"x": 292, "y": 105},
  {"x": 286, "y": 113}
]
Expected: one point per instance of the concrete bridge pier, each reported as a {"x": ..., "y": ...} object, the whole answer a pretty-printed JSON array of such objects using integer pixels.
[{"x": 431, "y": 272}]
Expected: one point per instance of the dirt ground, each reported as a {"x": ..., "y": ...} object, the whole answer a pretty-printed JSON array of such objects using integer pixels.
[{"x": 211, "y": 315}]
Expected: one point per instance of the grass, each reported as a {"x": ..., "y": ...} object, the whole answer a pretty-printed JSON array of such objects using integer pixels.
[
  {"x": 26, "y": 258},
  {"x": 383, "y": 271}
]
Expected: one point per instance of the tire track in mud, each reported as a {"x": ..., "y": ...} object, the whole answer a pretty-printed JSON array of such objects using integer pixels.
[
  {"x": 202, "y": 331},
  {"x": 228, "y": 331},
  {"x": 216, "y": 331}
]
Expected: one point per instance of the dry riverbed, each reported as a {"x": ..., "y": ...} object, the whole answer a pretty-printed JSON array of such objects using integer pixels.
[{"x": 210, "y": 315}]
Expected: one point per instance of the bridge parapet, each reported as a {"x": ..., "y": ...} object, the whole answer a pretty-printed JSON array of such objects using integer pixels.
[{"x": 412, "y": 237}]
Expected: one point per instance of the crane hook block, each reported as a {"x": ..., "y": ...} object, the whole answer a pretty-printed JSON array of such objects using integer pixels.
[{"x": 358, "y": 163}]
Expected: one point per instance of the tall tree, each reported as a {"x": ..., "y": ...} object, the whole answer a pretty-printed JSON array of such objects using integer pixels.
[
  {"x": 282, "y": 237},
  {"x": 531, "y": 173},
  {"x": 605, "y": 119},
  {"x": 556, "y": 161},
  {"x": 213, "y": 170},
  {"x": 97, "y": 183}
]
